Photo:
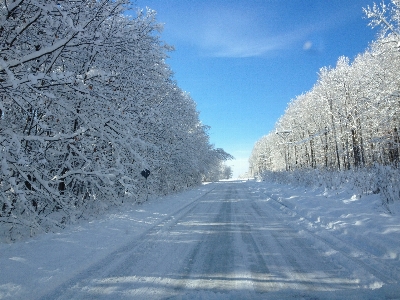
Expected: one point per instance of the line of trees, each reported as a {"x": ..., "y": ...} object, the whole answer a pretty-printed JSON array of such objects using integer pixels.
[
  {"x": 350, "y": 119},
  {"x": 87, "y": 103},
  {"x": 223, "y": 172}
]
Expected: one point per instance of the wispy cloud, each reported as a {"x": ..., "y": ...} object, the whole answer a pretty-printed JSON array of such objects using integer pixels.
[
  {"x": 234, "y": 33},
  {"x": 252, "y": 46},
  {"x": 307, "y": 45},
  {"x": 224, "y": 31},
  {"x": 231, "y": 32}
]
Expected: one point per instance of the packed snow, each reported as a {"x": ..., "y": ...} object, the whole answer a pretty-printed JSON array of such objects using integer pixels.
[{"x": 225, "y": 240}]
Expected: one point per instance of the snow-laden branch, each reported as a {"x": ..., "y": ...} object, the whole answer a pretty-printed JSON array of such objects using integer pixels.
[
  {"x": 20, "y": 29},
  {"x": 37, "y": 54},
  {"x": 56, "y": 137}
]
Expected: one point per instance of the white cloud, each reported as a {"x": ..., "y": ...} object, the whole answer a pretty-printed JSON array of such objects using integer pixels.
[
  {"x": 236, "y": 33},
  {"x": 241, "y": 31},
  {"x": 227, "y": 31},
  {"x": 307, "y": 45}
]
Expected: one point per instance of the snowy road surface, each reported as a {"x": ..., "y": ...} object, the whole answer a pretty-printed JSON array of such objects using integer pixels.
[{"x": 226, "y": 241}]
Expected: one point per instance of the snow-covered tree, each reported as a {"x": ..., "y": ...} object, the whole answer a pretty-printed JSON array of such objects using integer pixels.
[
  {"x": 87, "y": 104},
  {"x": 349, "y": 120}
]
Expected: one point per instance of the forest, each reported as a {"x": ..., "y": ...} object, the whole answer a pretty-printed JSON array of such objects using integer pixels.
[
  {"x": 91, "y": 116},
  {"x": 345, "y": 130}
]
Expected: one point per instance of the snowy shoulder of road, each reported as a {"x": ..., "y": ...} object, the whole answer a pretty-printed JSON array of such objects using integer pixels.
[
  {"x": 361, "y": 226},
  {"x": 361, "y": 221},
  {"x": 362, "y": 230}
]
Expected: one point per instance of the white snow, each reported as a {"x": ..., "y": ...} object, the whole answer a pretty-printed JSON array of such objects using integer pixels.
[
  {"x": 273, "y": 231},
  {"x": 29, "y": 269}
]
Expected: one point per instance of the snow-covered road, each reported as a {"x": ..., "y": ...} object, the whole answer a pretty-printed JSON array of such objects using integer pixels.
[{"x": 226, "y": 241}]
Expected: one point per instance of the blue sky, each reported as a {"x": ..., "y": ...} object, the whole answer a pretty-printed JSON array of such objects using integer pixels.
[{"x": 243, "y": 61}]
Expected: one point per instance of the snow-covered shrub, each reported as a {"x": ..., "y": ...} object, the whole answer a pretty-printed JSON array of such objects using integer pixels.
[
  {"x": 383, "y": 180},
  {"x": 387, "y": 183}
]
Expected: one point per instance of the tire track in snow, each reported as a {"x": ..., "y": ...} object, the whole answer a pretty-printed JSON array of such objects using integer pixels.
[
  {"x": 290, "y": 256},
  {"x": 214, "y": 254}
]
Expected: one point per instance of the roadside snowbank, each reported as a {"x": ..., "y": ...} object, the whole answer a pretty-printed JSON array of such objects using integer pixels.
[{"x": 363, "y": 225}]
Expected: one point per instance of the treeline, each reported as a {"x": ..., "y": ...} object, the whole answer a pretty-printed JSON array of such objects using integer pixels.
[
  {"x": 90, "y": 114},
  {"x": 349, "y": 120}
]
